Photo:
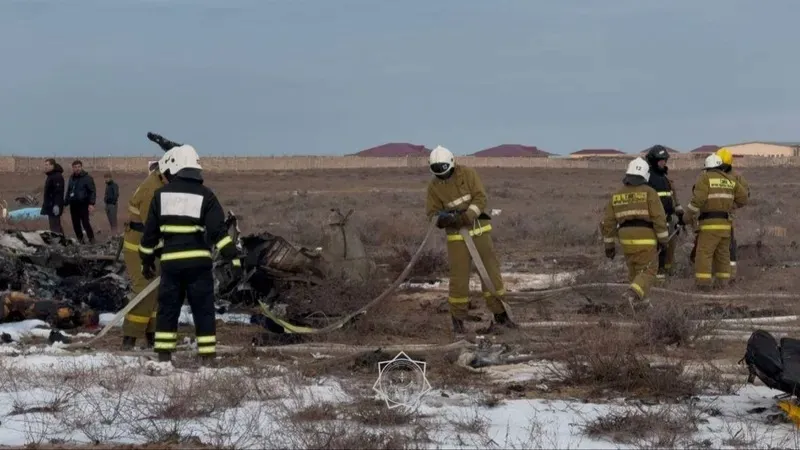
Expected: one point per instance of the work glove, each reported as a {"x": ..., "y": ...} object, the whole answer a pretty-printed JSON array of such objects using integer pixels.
[
  {"x": 681, "y": 223},
  {"x": 661, "y": 246},
  {"x": 611, "y": 252},
  {"x": 149, "y": 269},
  {"x": 56, "y": 210},
  {"x": 464, "y": 220},
  {"x": 446, "y": 220}
]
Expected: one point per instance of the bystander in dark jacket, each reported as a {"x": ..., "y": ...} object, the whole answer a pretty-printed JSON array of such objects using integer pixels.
[
  {"x": 81, "y": 195},
  {"x": 111, "y": 199},
  {"x": 53, "y": 196}
]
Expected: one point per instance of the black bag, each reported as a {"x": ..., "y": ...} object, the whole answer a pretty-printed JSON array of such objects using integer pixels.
[{"x": 777, "y": 366}]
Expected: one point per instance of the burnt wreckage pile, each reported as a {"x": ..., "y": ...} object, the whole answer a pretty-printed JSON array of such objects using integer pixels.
[
  {"x": 46, "y": 276},
  {"x": 274, "y": 267}
]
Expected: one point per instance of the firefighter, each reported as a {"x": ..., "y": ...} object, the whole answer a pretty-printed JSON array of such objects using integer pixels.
[
  {"x": 457, "y": 196},
  {"x": 141, "y": 320},
  {"x": 635, "y": 216},
  {"x": 186, "y": 215},
  {"x": 727, "y": 166},
  {"x": 715, "y": 195},
  {"x": 657, "y": 157}
]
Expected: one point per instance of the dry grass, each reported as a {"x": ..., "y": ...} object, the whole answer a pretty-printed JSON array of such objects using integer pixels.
[
  {"x": 606, "y": 361},
  {"x": 665, "y": 427}
]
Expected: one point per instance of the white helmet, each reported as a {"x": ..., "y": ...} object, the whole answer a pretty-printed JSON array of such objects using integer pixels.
[
  {"x": 712, "y": 161},
  {"x": 639, "y": 167},
  {"x": 179, "y": 158},
  {"x": 163, "y": 163},
  {"x": 441, "y": 161}
]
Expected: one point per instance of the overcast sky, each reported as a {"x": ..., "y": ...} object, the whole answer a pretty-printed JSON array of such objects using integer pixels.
[{"x": 91, "y": 77}]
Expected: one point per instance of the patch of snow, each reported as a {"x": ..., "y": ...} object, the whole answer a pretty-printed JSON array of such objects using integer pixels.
[
  {"x": 513, "y": 281},
  {"x": 740, "y": 419},
  {"x": 186, "y": 317},
  {"x": 31, "y": 327}
]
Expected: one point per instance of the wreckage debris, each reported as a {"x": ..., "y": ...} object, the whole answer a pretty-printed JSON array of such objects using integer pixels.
[{"x": 50, "y": 277}]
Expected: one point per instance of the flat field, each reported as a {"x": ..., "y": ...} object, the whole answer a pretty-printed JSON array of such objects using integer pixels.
[{"x": 546, "y": 233}]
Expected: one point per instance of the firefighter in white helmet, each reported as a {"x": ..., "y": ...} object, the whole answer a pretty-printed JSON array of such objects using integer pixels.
[
  {"x": 635, "y": 216},
  {"x": 714, "y": 196},
  {"x": 457, "y": 196},
  {"x": 187, "y": 216}
]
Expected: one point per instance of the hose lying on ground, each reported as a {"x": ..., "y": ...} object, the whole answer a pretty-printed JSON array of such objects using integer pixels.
[
  {"x": 521, "y": 296},
  {"x": 290, "y": 328}
]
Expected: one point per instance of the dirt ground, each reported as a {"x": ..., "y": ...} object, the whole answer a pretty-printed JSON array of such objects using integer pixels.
[{"x": 549, "y": 221}]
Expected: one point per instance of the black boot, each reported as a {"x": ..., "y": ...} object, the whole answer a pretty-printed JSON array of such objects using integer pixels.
[
  {"x": 503, "y": 319},
  {"x": 128, "y": 343},
  {"x": 164, "y": 356},
  {"x": 459, "y": 332},
  {"x": 151, "y": 339}
]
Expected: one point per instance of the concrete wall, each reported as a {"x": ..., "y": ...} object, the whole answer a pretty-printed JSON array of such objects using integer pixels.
[
  {"x": 761, "y": 149},
  {"x": 289, "y": 163}
]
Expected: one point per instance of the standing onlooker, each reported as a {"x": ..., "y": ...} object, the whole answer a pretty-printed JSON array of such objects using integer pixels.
[
  {"x": 81, "y": 195},
  {"x": 110, "y": 199},
  {"x": 53, "y": 197}
]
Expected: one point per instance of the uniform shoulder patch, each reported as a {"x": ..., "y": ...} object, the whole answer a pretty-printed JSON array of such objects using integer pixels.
[
  {"x": 721, "y": 183},
  {"x": 628, "y": 198}
]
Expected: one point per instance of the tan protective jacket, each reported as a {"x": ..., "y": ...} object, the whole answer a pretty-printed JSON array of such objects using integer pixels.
[
  {"x": 714, "y": 196},
  {"x": 462, "y": 192},
  {"x": 139, "y": 206},
  {"x": 636, "y": 217}
]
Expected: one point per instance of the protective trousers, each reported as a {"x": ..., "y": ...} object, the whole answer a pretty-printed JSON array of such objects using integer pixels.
[
  {"x": 460, "y": 265},
  {"x": 198, "y": 285},
  {"x": 142, "y": 318},
  {"x": 733, "y": 254},
  {"x": 712, "y": 257},
  {"x": 642, "y": 262},
  {"x": 666, "y": 257}
]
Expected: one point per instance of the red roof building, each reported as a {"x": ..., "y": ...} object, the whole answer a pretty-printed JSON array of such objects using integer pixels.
[
  {"x": 706, "y": 149},
  {"x": 512, "y": 150},
  {"x": 596, "y": 152},
  {"x": 395, "y": 149}
]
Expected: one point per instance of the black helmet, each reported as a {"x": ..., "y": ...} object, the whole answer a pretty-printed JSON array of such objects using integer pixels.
[{"x": 656, "y": 153}]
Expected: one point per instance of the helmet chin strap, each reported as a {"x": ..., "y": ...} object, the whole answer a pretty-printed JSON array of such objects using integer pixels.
[{"x": 446, "y": 175}]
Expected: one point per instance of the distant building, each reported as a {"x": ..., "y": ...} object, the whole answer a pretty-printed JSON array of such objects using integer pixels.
[
  {"x": 706, "y": 149},
  {"x": 765, "y": 148},
  {"x": 395, "y": 149},
  {"x": 512, "y": 150},
  {"x": 594, "y": 152}
]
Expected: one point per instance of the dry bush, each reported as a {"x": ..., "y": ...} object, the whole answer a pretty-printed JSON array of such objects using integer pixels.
[
  {"x": 671, "y": 323},
  {"x": 432, "y": 261},
  {"x": 612, "y": 360},
  {"x": 666, "y": 427},
  {"x": 338, "y": 435},
  {"x": 375, "y": 413},
  {"x": 471, "y": 422},
  {"x": 315, "y": 412}
]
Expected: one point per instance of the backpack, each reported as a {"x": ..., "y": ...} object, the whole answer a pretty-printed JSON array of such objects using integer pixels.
[{"x": 776, "y": 365}]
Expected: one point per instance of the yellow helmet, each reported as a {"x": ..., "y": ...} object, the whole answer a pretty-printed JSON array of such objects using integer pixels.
[{"x": 725, "y": 155}]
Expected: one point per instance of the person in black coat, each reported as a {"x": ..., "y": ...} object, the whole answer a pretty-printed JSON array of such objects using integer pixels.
[
  {"x": 53, "y": 197},
  {"x": 110, "y": 199},
  {"x": 81, "y": 196}
]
